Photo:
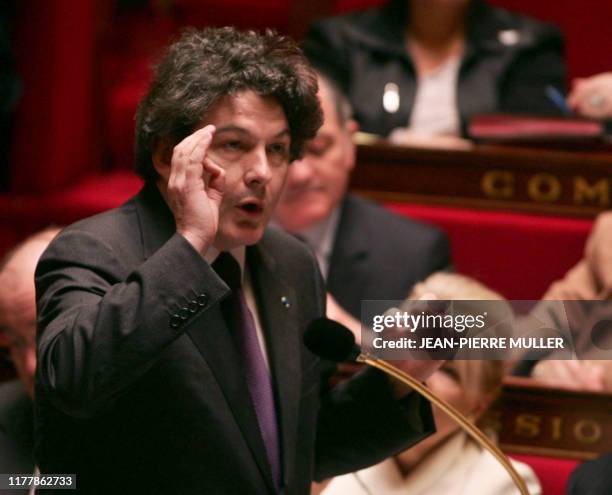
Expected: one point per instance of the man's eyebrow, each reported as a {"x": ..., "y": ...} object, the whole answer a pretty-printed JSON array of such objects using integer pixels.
[
  {"x": 283, "y": 133},
  {"x": 242, "y": 130},
  {"x": 231, "y": 128}
]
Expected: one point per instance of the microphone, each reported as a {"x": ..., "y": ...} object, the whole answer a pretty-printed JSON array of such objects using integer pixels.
[
  {"x": 331, "y": 340},
  {"x": 334, "y": 342}
]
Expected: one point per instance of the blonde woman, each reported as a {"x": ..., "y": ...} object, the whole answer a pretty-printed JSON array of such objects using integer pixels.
[{"x": 449, "y": 461}]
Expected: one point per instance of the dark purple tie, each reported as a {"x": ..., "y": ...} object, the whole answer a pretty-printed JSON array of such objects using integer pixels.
[{"x": 259, "y": 380}]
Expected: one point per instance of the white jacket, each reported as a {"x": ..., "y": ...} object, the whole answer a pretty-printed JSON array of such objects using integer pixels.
[{"x": 458, "y": 467}]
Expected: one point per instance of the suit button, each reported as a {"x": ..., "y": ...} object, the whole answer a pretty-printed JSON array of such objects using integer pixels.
[
  {"x": 184, "y": 313},
  {"x": 193, "y": 306},
  {"x": 202, "y": 300},
  {"x": 175, "y": 321}
]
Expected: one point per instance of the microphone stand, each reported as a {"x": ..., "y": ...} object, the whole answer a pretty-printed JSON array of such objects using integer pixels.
[{"x": 478, "y": 436}]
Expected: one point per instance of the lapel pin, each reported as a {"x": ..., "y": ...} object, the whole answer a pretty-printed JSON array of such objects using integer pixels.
[{"x": 285, "y": 301}]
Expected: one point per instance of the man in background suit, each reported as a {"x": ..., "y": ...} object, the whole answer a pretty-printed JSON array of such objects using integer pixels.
[
  {"x": 364, "y": 251},
  {"x": 170, "y": 329},
  {"x": 18, "y": 333}
]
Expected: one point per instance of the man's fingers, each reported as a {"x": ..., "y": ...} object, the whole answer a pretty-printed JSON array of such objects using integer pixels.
[
  {"x": 195, "y": 163},
  {"x": 201, "y": 137},
  {"x": 214, "y": 177},
  {"x": 194, "y": 170},
  {"x": 187, "y": 145},
  {"x": 182, "y": 165},
  {"x": 196, "y": 143},
  {"x": 212, "y": 168}
]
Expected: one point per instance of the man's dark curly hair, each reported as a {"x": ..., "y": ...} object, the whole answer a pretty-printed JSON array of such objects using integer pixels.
[{"x": 203, "y": 66}]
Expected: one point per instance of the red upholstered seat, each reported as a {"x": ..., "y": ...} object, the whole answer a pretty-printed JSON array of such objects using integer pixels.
[
  {"x": 94, "y": 194},
  {"x": 250, "y": 14},
  {"x": 553, "y": 473},
  {"x": 121, "y": 106},
  {"x": 21, "y": 215},
  {"x": 516, "y": 254}
]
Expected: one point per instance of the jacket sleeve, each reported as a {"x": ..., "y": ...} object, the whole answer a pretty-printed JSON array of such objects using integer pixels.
[
  {"x": 361, "y": 423},
  {"x": 439, "y": 254},
  {"x": 100, "y": 327}
]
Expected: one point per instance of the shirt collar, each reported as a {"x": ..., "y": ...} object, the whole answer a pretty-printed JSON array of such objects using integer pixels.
[{"x": 321, "y": 236}]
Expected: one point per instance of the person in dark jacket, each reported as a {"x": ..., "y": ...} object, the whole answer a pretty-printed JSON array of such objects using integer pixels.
[
  {"x": 170, "y": 330},
  {"x": 428, "y": 65},
  {"x": 592, "y": 477},
  {"x": 364, "y": 250}
]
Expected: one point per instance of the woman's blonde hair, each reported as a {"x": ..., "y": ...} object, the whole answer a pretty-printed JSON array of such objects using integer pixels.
[{"x": 480, "y": 380}]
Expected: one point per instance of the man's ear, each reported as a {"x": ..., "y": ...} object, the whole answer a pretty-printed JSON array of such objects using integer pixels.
[
  {"x": 351, "y": 127},
  {"x": 162, "y": 158}
]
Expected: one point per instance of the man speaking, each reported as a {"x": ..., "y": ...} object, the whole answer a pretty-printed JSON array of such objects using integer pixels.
[{"x": 170, "y": 329}]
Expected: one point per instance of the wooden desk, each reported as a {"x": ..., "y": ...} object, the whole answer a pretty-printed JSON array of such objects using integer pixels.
[
  {"x": 531, "y": 418},
  {"x": 549, "y": 182}
]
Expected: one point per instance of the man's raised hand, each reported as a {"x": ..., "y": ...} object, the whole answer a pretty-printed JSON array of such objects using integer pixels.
[{"x": 195, "y": 189}]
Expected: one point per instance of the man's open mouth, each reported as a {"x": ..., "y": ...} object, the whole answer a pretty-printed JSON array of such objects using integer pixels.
[{"x": 251, "y": 207}]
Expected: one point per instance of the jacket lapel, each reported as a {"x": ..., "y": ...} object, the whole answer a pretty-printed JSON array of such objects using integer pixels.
[{"x": 278, "y": 314}]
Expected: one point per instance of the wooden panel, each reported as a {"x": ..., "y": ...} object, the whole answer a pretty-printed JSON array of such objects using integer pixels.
[
  {"x": 491, "y": 177},
  {"x": 534, "y": 419}
]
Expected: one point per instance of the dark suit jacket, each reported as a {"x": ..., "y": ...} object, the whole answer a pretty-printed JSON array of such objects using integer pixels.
[
  {"x": 380, "y": 255},
  {"x": 16, "y": 430},
  {"x": 592, "y": 477},
  {"x": 139, "y": 385},
  {"x": 363, "y": 51}
]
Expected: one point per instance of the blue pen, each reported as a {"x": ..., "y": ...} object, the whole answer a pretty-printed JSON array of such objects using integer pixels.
[{"x": 558, "y": 99}]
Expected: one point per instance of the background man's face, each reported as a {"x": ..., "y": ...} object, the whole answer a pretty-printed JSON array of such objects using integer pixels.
[
  {"x": 18, "y": 310},
  {"x": 251, "y": 143},
  {"x": 317, "y": 182},
  {"x": 18, "y": 324}
]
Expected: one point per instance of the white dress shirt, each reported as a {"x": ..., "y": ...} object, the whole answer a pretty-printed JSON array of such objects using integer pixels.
[
  {"x": 320, "y": 237},
  {"x": 435, "y": 104}
]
